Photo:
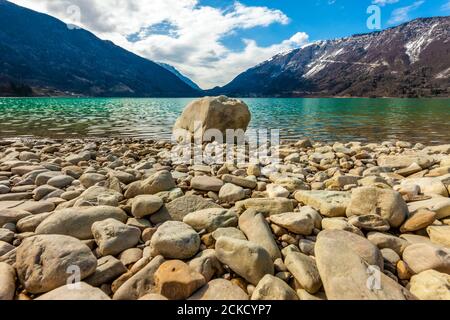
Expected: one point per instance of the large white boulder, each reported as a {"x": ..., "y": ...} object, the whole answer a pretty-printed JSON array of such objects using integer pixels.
[{"x": 220, "y": 113}]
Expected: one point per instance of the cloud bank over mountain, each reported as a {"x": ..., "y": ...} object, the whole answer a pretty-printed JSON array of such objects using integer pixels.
[{"x": 182, "y": 33}]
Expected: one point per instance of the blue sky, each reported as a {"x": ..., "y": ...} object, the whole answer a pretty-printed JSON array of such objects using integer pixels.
[
  {"x": 212, "y": 41},
  {"x": 325, "y": 19}
]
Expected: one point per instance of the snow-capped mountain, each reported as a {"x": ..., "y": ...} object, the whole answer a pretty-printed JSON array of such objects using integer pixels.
[{"x": 409, "y": 60}]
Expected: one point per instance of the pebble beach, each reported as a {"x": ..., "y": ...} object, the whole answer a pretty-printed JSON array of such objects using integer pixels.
[{"x": 102, "y": 219}]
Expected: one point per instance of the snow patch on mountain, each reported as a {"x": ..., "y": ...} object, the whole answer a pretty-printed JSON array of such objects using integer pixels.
[
  {"x": 415, "y": 47},
  {"x": 444, "y": 74}
]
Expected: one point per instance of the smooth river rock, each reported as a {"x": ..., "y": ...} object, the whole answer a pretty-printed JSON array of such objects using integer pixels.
[
  {"x": 257, "y": 230},
  {"x": 40, "y": 267},
  {"x": 249, "y": 260},
  {"x": 211, "y": 219},
  {"x": 346, "y": 276},
  {"x": 386, "y": 203},
  {"x": 175, "y": 240}
]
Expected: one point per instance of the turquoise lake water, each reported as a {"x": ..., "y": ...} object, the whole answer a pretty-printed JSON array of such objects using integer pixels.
[{"x": 367, "y": 120}]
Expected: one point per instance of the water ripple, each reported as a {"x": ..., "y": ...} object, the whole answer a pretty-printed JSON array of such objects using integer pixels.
[{"x": 373, "y": 120}]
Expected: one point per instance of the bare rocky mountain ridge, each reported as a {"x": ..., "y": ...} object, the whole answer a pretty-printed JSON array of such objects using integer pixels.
[
  {"x": 410, "y": 60},
  {"x": 41, "y": 56}
]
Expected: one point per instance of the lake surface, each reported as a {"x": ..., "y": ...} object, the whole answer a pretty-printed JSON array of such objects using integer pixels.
[{"x": 367, "y": 120}]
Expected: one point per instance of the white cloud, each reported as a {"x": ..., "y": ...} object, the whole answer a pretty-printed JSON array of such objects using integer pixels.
[
  {"x": 402, "y": 14},
  {"x": 183, "y": 33},
  {"x": 384, "y": 2},
  {"x": 446, "y": 7}
]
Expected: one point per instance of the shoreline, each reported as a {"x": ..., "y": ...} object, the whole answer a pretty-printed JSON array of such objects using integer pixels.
[{"x": 122, "y": 211}]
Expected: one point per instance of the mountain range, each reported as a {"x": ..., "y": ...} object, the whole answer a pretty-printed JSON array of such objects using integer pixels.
[
  {"x": 41, "y": 56},
  {"x": 410, "y": 60}
]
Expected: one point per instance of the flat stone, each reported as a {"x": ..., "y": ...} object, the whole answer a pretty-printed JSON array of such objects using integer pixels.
[
  {"x": 181, "y": 207},
  {"x": 421, "y": 219},
  {"x": 439, "y": 205},
  {"x": 5, "y": 247},
  {"x": 206, "y": 183},
  {"x": 90, "y": 179},
  {"x": 211, "y": 219},
  {"x": 145, "y": 205},
  {"x": 341, "y": 181},
  {"x": 340, "y": 224},
  {"x": 131, "y": 256},
  {"x": 388, "y": 204},
  {"x": 76, "y": 158},
  {"x": 440, "y": 171},
  {"x": 277, "y": 191},
  {"x": 36, "y": 207},
  {"x": 207, "y": 264},
  {"x": 229, "y": 232},
  {"x": 267, "y": 206},
  {"x": 231, "y": 193},
  {"x": 22, "y": 170},
  {"x": 421, "y": 257},
  {"x": 7, "y": 282},
  {"x": 42, "y": 191},
  {"x": 175, "y": 240},
  {"x": 359, "y": 244},
  {"x": 390, "y": 256},
  {"x": 72, "y": 292},
  {"x": 40, "y": 267},
  {"x": 414, "y": 238},
  {"x": 370, "y": 222},
  {"x": 249, "y": 260},
  {"x": 412, "y": 169},
  {"x": 141, "y": 283},
  {"x": 16, "y": 196},
  {"x": 73, "y": 171},
  {"x": 4, "y": 189},
  {"x": 30, "y": 223},
  {"x": 77, "y": 222},
  {"x": 257, "y": 230},
  {"x": 108, "y": 269},
  {"x": 296, "y": 222},
  {"x": 220, "y": 289},
  {"x": 345, "y": 275},
  {"x": 158, "y": 182},
  {"x": 404, "y": 161},
  {"x": 428, "y": 185},
  {"x": 177, "y": 281},
  {"x": 93, "y": 193},
  {"x": 304, "y": 270},
  {"x": 291, "y": 184},
  {"x": 142, "y": 224},
  {"x": 328, "y": 203},
  {"x": 239, "y": 181},
  {"x": 12, "y": 215},
  {"x": 271, "y": 288},
  {"x": 60, "y": 181},
  {"x": 114, "y": 237},
  {"x": 6, "y": 235},
  {"x": 431, "y": 285},
  {"x": 440, "y": 235}
]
